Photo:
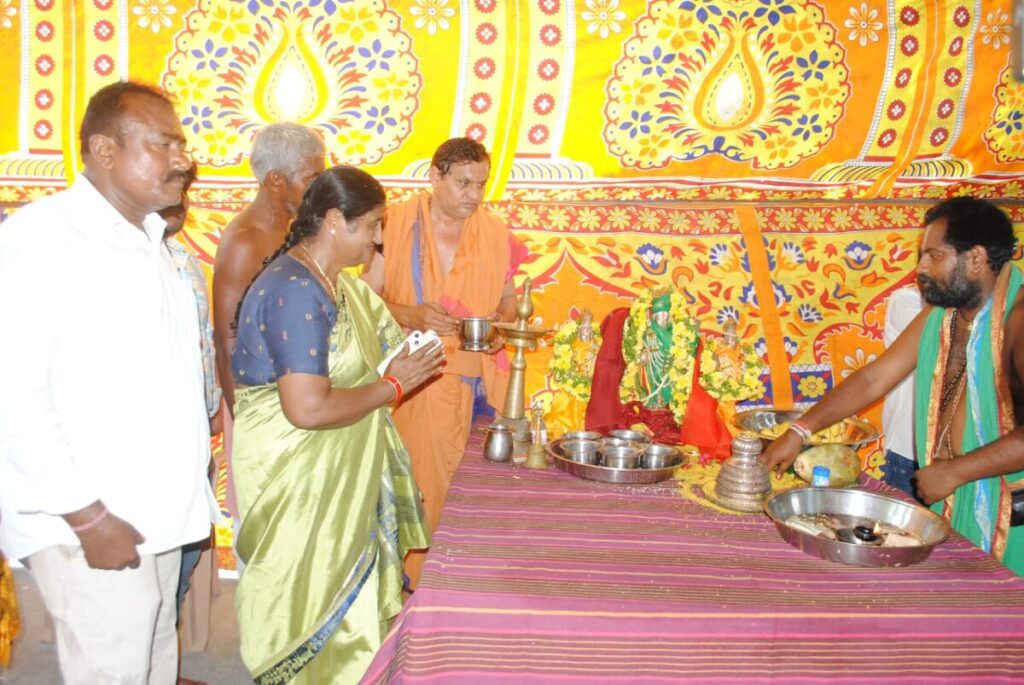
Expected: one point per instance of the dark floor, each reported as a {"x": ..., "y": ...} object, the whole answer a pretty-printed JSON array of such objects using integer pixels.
[{"x": 34, "y": 662}]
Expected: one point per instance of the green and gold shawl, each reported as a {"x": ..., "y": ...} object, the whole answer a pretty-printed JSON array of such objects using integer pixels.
[
  {"x": 980, "y": 510},
  {"x": 327, "y": 516}
]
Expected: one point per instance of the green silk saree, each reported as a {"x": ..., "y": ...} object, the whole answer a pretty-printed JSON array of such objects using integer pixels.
[{"x": 327, "y": 516}]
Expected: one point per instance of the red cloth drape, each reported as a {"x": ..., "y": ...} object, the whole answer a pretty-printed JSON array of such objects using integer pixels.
[
  {"x": 702, "y": 426},
  {"x": 605, "y": 411}
]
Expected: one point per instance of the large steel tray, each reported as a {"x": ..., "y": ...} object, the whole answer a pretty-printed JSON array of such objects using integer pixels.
[{"x": 863, "y": 505}]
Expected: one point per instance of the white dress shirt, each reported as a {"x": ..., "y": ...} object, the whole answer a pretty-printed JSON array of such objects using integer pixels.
[
  {"x": 102, "y": 380},
  {"x": 898, "y": 410}
]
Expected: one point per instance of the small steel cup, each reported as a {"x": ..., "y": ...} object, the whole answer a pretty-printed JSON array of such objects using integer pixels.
[
  {"x": 581, "y": 451},
  {"x": 631, "y": 435},
  {"x": 619, "y": 442},
  {"x": 620, "y": 457},
  {"x": 582, "y": 435},
  {"x": 659, "y": 456},
  {"x": 475, "y": 332},
  {"x": 498, "y": 445}
]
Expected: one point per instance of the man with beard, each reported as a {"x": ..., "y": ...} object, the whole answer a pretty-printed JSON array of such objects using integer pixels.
[{"x": 967, "y": 352}]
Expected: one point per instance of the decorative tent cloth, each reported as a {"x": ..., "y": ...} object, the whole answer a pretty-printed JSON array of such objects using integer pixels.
[
  {"x": 10, "y": 619},
  {"x": 770, "y": 159}
]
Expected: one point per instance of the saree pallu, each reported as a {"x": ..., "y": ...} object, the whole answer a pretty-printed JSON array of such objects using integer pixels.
[
  {"x": 979, "y": 510},
  {"x": 327, "y": 516}
]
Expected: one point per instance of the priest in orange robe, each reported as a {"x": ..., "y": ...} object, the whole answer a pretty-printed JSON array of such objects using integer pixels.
[{"x": 445, "y": 258}]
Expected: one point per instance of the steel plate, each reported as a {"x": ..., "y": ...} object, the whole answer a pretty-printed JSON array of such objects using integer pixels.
[{"x": 603, "y": 474}]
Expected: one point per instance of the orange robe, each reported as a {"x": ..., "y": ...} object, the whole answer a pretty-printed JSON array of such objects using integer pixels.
[{"x": 435, "y": 421}]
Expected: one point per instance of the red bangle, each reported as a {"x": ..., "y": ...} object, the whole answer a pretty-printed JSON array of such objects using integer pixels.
[
  {"x": 394, "y": 383},
  {"x": 91, "y": 524}
]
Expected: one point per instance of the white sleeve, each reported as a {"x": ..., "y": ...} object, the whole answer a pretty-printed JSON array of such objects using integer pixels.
[
  {"x": 901, "y": 308},
  {"x": 38, "y": 470}
]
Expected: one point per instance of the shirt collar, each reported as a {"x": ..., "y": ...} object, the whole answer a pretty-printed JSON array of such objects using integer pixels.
[{"x": 92, "y": 203}]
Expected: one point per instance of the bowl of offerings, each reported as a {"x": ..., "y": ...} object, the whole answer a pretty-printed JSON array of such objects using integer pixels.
[
  {"x": 856, "y": 527},
  {"x": 770, "y": 424}
]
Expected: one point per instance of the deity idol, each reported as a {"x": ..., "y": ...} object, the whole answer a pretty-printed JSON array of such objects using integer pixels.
[
  {"x": 572, "y": 367},
  {"x": 656, "y": 355}
]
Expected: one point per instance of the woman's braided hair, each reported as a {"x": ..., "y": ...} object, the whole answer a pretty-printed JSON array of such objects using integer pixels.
[{"x": 351, "y": 191}]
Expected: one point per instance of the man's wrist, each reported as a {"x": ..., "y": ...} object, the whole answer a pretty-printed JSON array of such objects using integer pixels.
[
  {"x": 85, "y": 515},
  {"x": 802, "y": 430}
]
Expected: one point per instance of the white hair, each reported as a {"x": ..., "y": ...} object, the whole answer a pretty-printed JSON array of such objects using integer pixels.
[{"x": 284, "y": 147}]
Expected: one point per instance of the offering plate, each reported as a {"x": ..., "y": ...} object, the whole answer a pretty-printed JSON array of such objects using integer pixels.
[
  {"x": 603, "y": 474},
  {"x": 767, "y": 422},
  {"x": 865, "y": 508}
]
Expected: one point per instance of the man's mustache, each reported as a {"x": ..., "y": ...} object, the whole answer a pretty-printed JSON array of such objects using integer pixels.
[{"x": 177, "y": 176}]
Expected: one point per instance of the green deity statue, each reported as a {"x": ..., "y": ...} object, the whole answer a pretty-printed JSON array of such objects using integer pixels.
[{"x": 656, "y": 357}]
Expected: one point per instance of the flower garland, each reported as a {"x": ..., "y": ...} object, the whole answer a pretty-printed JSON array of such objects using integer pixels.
[
  {"x": 683, "y": 352},
  {"x": 741, "y": 382},
  {"x": 567, "y": 372}
]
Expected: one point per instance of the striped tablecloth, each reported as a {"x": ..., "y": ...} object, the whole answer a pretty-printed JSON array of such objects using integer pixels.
[{"x": 539, "y": 576}]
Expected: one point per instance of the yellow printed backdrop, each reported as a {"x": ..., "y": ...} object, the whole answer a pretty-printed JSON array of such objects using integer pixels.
[{"x": 770, "y": 158}]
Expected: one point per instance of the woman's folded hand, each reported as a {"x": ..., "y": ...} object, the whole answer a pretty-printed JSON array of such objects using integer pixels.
[{"x": 413, "y": 370}]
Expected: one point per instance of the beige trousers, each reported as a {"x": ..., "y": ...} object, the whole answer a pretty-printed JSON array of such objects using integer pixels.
[{"x": 112, "y": 627}]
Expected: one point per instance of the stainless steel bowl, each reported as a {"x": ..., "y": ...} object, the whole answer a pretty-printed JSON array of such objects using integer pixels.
[
  {"x": 631, "y": 435},
  {"x": 582, "y": 451},
  {"x": 853, "y": 431},
  {"x": 475, "y": 332},
  {"x": 582, "y": 435},
  {"x": 618, "y": 457},
  {"x": 863, "y": 506},
  {"x": 659, "y": 456},
  {"x": 619, "y": 442}
]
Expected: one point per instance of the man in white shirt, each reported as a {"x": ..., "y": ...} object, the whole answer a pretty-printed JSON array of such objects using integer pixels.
[
  {"x": 103, "y": 427},
  {"x": 898, "y": 410}
]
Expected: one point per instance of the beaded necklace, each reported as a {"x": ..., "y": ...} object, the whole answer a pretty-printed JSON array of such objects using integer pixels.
[
  {"x": 950, "y": 387},
  {"x": 952, "y": 391}
]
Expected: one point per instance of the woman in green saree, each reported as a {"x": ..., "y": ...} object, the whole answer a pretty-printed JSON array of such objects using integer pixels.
[{"x": 325, "y": 492}]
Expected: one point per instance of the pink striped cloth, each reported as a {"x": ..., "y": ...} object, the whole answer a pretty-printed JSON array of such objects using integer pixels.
[{"x": 541, "y": 577}]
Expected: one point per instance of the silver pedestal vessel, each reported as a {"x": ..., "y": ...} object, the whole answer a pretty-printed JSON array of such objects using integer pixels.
[{"x": 743, "y": 483}]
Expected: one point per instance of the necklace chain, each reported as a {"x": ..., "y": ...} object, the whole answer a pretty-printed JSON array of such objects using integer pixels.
[{"x": 320, "y": 270}]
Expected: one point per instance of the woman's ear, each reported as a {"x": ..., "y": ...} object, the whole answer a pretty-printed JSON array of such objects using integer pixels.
[{"x": 334, "y": 220}]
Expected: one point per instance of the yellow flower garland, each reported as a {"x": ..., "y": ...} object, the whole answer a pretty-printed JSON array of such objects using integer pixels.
[
  {"x": 683, "y": 352},
  {"x": 565, "y": 369},
  {"x": 726, "y": 387}
]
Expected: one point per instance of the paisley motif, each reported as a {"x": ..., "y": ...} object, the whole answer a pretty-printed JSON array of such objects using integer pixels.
[
  {"x": 239, "y": 66},
  {"x": 1005, "y": 135},
  {"x": 758, "y": 81}
]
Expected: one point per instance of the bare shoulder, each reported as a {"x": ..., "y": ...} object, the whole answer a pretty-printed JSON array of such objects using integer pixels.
[{"x": 243, "y": 243}]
